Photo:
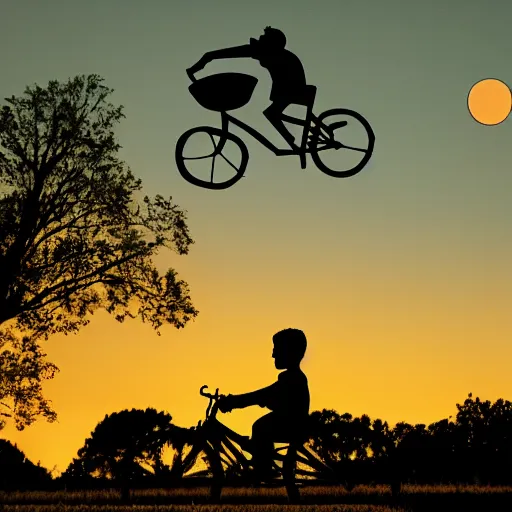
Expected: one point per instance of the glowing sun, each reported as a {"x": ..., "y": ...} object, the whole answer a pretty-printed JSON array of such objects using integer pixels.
[{"x": 490, "y": 101}]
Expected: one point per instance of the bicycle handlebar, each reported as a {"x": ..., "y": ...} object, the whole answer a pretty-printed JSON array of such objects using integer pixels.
[
  {"x": 209, "y": 395},
  {"x": 190, "y": 73},
  {"x": 213, "y": 405}
]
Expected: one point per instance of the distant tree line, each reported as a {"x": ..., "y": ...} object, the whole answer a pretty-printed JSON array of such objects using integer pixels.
[
  {"x": 474, "y": 448},
  {"x": 125, "y": 449}
]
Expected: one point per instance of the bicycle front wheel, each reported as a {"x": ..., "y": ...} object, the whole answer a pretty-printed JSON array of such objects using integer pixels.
[
  {"x": 224, "y": 158},
  {"x": 203, "y": 461},
  {"x": 341, "y": 143}
]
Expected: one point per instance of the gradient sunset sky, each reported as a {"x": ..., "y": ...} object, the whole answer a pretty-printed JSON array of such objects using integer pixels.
[{"x": 400, "y": 276}]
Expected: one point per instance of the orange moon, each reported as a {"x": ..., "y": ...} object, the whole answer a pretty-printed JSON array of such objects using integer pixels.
[{"x": 490, "y": 101}]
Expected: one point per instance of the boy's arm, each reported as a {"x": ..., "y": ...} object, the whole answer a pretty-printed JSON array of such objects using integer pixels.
[
  {"x": 227, "y": 53},
  {"x": 234, "y": 52},
  {"x": 260, "y": 397}
]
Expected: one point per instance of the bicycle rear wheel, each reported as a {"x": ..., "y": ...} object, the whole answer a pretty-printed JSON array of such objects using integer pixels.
[
  {"x": 307, "y": 466},
  {"x": 341, "y": 143},
  {"x": 200, "y": 170}
]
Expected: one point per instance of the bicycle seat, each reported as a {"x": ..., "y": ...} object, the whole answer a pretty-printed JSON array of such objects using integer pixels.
[{"x": 307, "y": 97}]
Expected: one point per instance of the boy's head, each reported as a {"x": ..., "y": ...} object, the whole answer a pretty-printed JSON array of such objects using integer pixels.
[
  {"x": 272, "y": 39},
  {"x": 289, "y": 348}
]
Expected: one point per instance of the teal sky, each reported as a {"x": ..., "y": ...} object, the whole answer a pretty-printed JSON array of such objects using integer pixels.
[
  {"x": 406, "y": 66},
  {"x": 429, "y": 220}
]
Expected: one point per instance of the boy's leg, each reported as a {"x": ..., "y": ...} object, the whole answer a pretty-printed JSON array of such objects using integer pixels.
[
  {"x": 263, "y": 444},
  {"x": 273, "y": 114}
]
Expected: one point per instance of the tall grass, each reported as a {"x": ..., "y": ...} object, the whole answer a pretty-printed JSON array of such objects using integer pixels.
[{"x": 363, "y": 498}]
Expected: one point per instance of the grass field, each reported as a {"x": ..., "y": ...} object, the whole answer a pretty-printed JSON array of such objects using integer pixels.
[{"x": 315, "y": 499}]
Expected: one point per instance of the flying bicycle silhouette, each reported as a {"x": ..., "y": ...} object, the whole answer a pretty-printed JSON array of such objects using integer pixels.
[{"x": 322, "y": 136}]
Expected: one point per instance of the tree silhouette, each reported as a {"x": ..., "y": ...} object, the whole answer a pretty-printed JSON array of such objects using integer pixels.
[
  {"x": 73, "y": 236},
  {"x": 446, "y": 449},
  {"x": 22, "y": 368},
  {"x": 476, "y": 448},
  {"x": 486, "y": 430},
  {"x": 127, "y": 447},
  {"x": 359, "y": 449},
  {"x": 18, "y": 472}
]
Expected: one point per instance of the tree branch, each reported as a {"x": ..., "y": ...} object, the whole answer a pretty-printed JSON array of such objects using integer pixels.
[{"x": 45, "y": 293}]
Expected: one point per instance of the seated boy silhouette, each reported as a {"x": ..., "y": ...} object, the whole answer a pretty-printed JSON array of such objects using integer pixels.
[
  {"x": 285, "y": 68},
  {"x": 288, "y": 399}
]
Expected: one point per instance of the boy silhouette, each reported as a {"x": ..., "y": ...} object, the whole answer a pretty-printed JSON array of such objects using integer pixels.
[
  {"x": 285, "y": 68},
  {"x": 288, "y": 399}
]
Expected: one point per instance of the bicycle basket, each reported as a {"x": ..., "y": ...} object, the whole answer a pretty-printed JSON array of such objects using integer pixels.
[{"x": 224, "y": 91}]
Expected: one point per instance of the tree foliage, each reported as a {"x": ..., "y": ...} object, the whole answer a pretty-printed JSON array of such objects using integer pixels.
[
  {"x": 128, "y": 445},
  {"x": 475, "y": 447},
  {"x": 23, "y": 367},
  {"x": 74, "y": 238}
]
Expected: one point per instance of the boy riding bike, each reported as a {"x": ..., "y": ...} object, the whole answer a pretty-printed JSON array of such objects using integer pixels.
[
  {"x": 288, "y": 399},
  {"x": 285, "y": 68}
]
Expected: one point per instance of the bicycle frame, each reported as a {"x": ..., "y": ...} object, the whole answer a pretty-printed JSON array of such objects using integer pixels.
[
  {"x": 212, "y": 435},
  {"x": 213, "y": 432},
  {"x": 303, "y": 150}
]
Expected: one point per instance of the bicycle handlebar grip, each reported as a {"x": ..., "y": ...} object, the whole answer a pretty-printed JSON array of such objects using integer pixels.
[
  {"x": 208, "y": 395},
  {"x": 190, "y": 73}
]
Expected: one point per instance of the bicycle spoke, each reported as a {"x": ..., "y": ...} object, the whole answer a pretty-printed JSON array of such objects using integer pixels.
[
  {"x": 213, "y": 141},
  {"x": 326, "y": 130},
  {"x": 191, "y": 458},
  {"x": 213, "y": 450},
  {"x": 321, "y": 137},
  {"x": 220, "y": 154},
  {"x": 213, "y": 166},
  {"x": 305, "y": 472},
  {"x": 314, "y": 466},
  {"x": 225, "y": 458},
  {"x": 207, "y": 156},
  {"x": 313, "y": 461},
  {"x": 229, "y": 162},
  {"x": 202, "y": 472},
  {"x": 353, "y": 148},
  {"x": 228, "y": 454},
  {"x": 237, "y": 453},
  {"x": 197, "y": 157},
  {"x": 226, "y": 432}
]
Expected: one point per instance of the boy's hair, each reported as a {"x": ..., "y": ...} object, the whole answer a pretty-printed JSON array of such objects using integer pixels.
[
  {"x": 276, "y": 37},
  {"x": 294, "y": 340}
]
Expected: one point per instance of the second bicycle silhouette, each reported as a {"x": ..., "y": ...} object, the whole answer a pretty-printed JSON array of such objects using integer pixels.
[{"x": 322, "y": 137}]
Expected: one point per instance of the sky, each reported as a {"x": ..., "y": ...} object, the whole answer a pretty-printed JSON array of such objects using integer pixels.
[{"x": 399, "y": 276}]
